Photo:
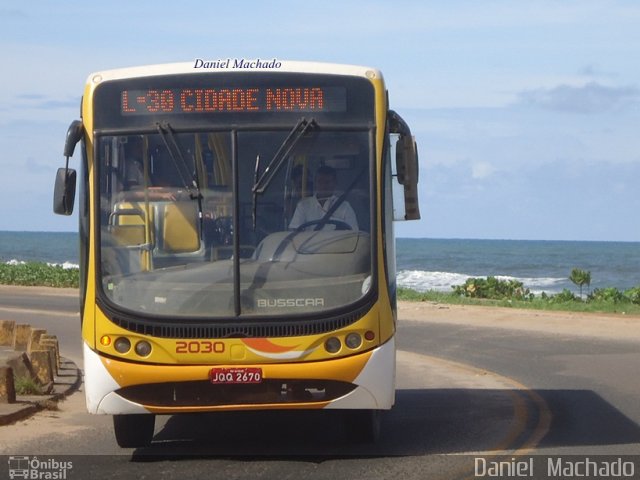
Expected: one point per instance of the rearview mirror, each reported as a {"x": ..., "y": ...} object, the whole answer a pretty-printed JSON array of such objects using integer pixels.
[
  {"x": 406, "y": 167},
  {"x": 64, "y": 192},
  {"x": 407, "y": 174},
  {"x": 407, "y": 160}
]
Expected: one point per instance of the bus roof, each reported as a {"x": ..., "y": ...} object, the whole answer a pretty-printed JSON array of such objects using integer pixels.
[{"x": 199, "y": 65}]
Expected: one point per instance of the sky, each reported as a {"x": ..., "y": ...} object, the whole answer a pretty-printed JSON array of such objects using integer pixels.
[{"x": 526, "y": 114}]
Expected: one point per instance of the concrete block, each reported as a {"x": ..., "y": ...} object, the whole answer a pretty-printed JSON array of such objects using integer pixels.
[
  {"x": 7, "y": 387},
  {"x": 22, "y": 337},
  {"x": 50, "y": 342},
  {"x": 42, "y": 362},
  {"x": 21, "y": 365},
  {"x": 34, "y": 338},
  {"x": 7, "y": 333}
]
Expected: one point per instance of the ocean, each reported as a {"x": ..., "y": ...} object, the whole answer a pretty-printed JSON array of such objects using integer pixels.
[
  {"x": 430, "y": 264},
  {"x": 542, "y": 266}
]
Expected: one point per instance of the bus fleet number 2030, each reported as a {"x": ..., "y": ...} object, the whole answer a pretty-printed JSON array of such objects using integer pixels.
[{"x": 199, "y": 346}]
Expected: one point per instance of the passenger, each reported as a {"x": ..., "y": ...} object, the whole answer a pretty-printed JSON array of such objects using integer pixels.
[
  {"x": 314, "y": 208},
  {"x": 157, "y": 188}
]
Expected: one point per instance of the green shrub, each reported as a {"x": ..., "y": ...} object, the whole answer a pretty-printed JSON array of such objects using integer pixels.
[
  {"x": 633, "y": 294},
  {"x": 492, "y": 288},
  {"x": 610, "y": 295},
  {"x": 562, "y": 297}
]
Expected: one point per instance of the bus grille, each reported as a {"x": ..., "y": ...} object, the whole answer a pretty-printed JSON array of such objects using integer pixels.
[
  {"x": 202, "y": 393},
  {"x": 237, "y": 329}
]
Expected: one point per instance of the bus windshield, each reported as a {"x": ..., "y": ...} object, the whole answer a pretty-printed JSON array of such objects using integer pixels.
[{"x": 219, "y": 222}]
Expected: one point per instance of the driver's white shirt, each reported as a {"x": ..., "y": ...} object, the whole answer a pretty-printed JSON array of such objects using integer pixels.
[{"x": 309, "y": 209}]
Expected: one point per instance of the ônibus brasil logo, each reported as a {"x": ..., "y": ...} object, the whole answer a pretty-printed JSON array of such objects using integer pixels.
[{"x": 35, "y": 468}]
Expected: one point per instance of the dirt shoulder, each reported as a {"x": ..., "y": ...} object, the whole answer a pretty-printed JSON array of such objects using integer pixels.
[
  {"x": 41, "y": 291},
  {"x": 606, "y": 326}
]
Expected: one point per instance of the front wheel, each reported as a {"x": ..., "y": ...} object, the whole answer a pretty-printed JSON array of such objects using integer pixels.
[{"x": 135, "y": 430}]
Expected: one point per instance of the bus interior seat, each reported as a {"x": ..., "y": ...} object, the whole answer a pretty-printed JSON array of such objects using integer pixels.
[
  {"x": 127, "y": 223},
  {"x": 180, "y": 233}
]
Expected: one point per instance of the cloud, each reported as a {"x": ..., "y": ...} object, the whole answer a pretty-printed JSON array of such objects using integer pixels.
[
  {"x": 591, "y": 98},
  {"x": 481, "y": 170},
  {"x": 594, "y": 71},
  {"x": 42, "y": 102}
]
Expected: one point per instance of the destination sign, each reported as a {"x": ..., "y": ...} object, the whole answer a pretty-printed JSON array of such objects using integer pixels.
[{"x": 233, "y": 100}]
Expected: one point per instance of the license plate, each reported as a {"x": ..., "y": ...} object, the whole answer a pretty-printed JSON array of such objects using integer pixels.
[{"x": 235, "y": 375}]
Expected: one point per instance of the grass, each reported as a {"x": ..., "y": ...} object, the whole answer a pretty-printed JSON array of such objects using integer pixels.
[
  {"x": 26, "y": 385},
  {"x": 551, "y": 303}
]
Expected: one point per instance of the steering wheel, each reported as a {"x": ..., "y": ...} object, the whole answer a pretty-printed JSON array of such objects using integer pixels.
[{"x": 340, "y": 225}]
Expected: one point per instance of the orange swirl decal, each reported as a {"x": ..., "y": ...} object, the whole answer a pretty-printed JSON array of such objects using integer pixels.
[{"x": 266, "y": 348}]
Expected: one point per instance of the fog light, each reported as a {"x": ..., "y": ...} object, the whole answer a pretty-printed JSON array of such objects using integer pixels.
[
  {"x": 333, "y": 345},
  {"x": 353, "y": 340},
  {"x": 143, "y": 348},
  {"x": 122, "y": 345}
]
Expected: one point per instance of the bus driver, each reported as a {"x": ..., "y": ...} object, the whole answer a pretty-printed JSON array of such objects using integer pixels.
[{"x": 314, "y": 208}]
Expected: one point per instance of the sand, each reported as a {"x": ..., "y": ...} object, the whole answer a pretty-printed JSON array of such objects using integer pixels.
[{"x": 599, "y": 325}]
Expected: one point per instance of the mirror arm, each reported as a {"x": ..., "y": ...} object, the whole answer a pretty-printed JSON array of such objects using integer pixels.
[
  {"x": 398, "y": 125},
  {"x": 74, "y": 134}
]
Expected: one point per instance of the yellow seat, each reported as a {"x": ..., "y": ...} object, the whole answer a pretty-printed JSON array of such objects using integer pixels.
[
  {"x": 180, "y": 228},
  {"x": 128, "y": 234},
  {"x": 127, "y": 223}
]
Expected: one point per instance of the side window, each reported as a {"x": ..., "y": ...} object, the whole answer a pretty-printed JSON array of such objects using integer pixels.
[{"x": 389, "y": 213}]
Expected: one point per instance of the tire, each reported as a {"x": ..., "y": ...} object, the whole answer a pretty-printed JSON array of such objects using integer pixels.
[
  {"x": 363, "y": 426},
  {"x": 133, "y": 431}
]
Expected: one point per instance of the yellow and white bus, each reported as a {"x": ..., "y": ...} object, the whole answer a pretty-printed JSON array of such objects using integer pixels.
[{"x": 219, "y": 271}]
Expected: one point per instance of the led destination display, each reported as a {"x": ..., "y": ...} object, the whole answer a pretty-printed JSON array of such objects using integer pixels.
[{"x": 233, "y": 100}]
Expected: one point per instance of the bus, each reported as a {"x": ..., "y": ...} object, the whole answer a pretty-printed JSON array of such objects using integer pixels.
[{"x": 212, "y": 278}]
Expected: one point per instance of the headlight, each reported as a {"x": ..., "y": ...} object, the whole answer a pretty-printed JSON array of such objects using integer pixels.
[
  {"x": 333, "y": 345},
  {"x": 122, "y": 345},
  {"x": 353, "y": 340},
  {"x": 143, "y": 348}
]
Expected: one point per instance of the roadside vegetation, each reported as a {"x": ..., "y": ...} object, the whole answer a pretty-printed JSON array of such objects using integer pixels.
[
  {"x": 491, "y": 291},
  {"x": 27, "y": 386},
  {"x": 38, "y": 274}
]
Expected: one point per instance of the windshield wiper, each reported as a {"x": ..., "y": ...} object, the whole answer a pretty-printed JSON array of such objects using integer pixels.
[
  {"x": 175, "y": 152},
  {"x": 261, "y": 184},
  {"x": 285, "y": 148}
]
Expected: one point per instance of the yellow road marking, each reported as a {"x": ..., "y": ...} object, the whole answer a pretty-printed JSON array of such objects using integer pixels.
[{"x": 515, "y": 390}]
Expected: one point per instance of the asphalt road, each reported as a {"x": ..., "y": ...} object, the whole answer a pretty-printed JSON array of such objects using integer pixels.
[{"x": 463, "y": 392}]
